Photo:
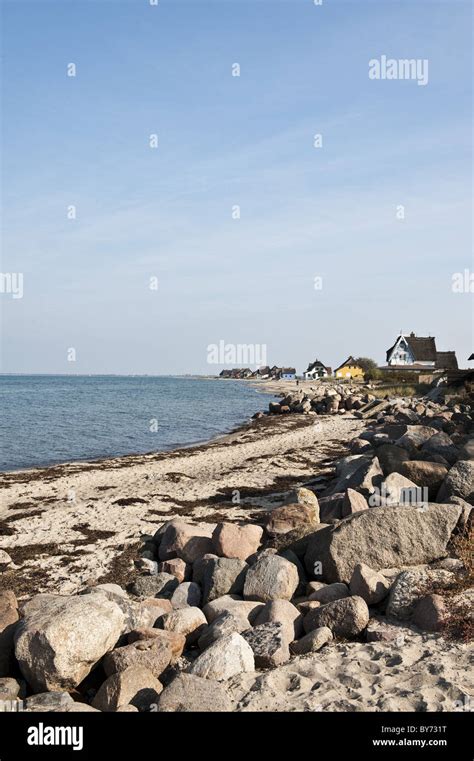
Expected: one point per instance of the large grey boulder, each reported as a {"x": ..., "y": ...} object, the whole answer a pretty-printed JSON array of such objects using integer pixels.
[
  {"x": 391, "y": 458},
  {"x": 284, "y": 613},
  {"x": 154, "y": 653},
  {"x": 226, "y": 623},
  {"x": 223, "y": 576},
  {"x": 189, "y": 693},
  {"x": 441, "y": 444},
  {"x": 61, "y": 638},
  {"x": 429, "y": 475},
  {"x": 459, "y": 482},
  {"x": 228, "y": 656},
  {"x": 345, "y": 618},
  {"x": 269, "y": 644},
  {"x": 382, "y": 537},
  {"x": 135, "y": 685},
  {"x": 271, "y": 578}
]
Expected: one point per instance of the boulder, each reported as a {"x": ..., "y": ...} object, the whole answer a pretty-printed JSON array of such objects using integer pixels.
[
  {"x": 383, "y": 537},
  {"x": 269, "y": 644},
  {"x": 353, "y": 502},
  {"x": 232, "y": 541},
  {"x": 459, "y": 482},
  {"x": 228, "y": 656},
  {"x": 161, "y": 585},
  {"x": 391, "y": 458},
  {"x": 369, "y": 584},
  {"x": 174, "y": 640},
  {"x": 188, "y": 693},
  {"x": 429, "y": 613},
  {"x": 415, "y": 436},
  {"x": 199, "y": 566},
  {"x": 398, "y": 490},
  {"x": 441, "y": 444},
  {"x": 141, "y": 613},
  {"x": 271, "y": 578},
  {"x": 360, "y": 446},
  {"x": 55, "y": 700},
  {"x": 297, "y": 517},
  {"x": 302, "y": 496},
  {"x": 175, "y": 567},
  {"x": 345, "y": 618},
  {"x": 412, "y": 584},
  {"x": 223, "y": 576},
  {"x": 312, "y": 642},
  {"x": 366, "y": 479},
  {"x": 226, "y": 623},
  {"x": 282, "y": 612},
  {"x": 379, "y": 631},
  {"x": 136, "y": 685},
  {"x": 185, "y": 541},
  {"x": 8, "y": 623},
  {"x": 187, "y": 594},
  {"x": 330, "y": 593},
  {"x": 61, "y": 638},
  {"x": 428, "y": 475},
  {"x": 188, "y": 621},
  {"x": 231, "y": 604},
  {"x": 154, "y": 654},
  {"x": 331, "y": 507}
]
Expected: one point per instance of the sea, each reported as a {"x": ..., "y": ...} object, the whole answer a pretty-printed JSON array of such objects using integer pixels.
[{"x": 51, "y": 419}]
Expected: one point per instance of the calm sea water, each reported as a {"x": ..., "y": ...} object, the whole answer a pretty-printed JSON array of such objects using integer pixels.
[{"x": 53, "y": 419}]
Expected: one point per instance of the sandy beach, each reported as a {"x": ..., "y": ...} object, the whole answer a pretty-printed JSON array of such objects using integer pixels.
[{"x": 74, "y": 524}]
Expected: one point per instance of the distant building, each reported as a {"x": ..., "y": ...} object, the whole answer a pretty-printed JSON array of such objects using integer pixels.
[
  {"x": 349, "y": 369},
  {"x": 287, "y": 373},
  {"x": 419, "y": 353},
  {"x": 316, "y": 369}
]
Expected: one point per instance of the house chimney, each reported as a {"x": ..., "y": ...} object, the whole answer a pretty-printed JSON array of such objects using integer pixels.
[{"x": 412, "y": 335}]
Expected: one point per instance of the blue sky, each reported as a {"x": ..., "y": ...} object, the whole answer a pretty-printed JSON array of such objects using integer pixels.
[{"x": 225, "y": 141}]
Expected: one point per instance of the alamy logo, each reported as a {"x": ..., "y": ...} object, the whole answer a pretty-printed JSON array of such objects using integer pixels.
[
  {"x": 237, "y": 354},
  {"x": 399, "y": 68},
  {"x": 12, "y": 282},
  {"x": 45, "y": 735}
]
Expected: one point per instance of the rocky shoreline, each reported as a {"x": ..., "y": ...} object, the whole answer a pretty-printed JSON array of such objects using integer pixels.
[{"x": 348, "y": 586}]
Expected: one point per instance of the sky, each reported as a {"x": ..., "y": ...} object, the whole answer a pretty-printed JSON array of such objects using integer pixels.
[{"x": 245, "y": 230}]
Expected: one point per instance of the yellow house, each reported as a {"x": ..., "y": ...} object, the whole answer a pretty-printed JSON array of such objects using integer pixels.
[{"x": 349, "y": 369}]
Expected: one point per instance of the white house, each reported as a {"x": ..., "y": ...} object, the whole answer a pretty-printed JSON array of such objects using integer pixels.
[
  {"x": 419, "y": 353},
  {"x": 316, "y": 369}
]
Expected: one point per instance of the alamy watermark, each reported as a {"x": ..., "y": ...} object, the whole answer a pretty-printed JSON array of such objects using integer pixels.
[
  {"x": 246, "y": 355},
  {"x": 12, "y": 282},
  {"x": 462, "y": 282},
  {"x": 399, "y": 68}
]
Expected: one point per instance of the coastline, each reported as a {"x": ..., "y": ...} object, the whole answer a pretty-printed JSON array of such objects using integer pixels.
[{"x": 70, "y": 525}]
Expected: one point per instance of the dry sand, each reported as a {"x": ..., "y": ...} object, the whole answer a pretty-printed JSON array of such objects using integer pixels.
[{"x": 73, "y": 524}]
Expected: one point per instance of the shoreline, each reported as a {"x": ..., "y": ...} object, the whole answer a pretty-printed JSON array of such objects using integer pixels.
[
  {"x": 171, "y": 448},
  {"x": 74, "y": 524}
]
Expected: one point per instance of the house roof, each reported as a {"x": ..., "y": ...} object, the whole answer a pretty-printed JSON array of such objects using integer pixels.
[
  {"x": 314, "y": 364},
  {"x": 446, "y": 360},
  {"x": 288, "y": 370},
  {"x": 422, "y": 348},
  {"x": 471, "y": 357},
  {"x": 349, "y": 361}
]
